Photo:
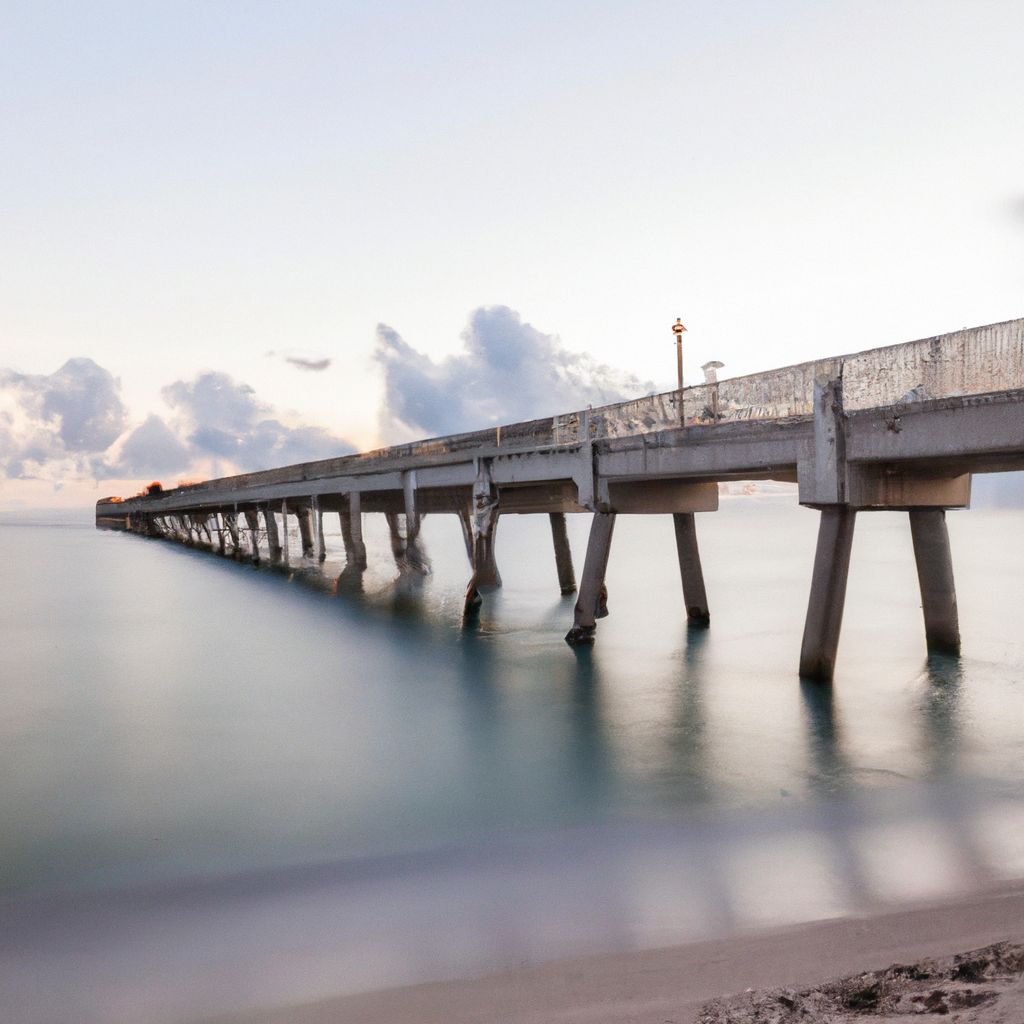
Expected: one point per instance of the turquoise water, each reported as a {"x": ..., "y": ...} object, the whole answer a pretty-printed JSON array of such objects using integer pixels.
[{"x": 171, "y": 718}]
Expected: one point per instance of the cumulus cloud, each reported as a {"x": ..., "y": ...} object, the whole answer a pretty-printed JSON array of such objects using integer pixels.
[
  {"x": 224, "y": 419},
  {"x": 507, "y": 371},
  {"x": 51, "y": 424},
  {"x": 72, "y": 424},
  {"x": 150, "y": 450}
]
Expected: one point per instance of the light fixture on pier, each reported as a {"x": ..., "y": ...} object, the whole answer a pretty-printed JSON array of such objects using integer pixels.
[{"x": 677, "y": 330}]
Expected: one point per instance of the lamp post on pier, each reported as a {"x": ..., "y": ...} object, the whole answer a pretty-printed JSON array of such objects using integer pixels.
[{"x": 677, "y": 330}]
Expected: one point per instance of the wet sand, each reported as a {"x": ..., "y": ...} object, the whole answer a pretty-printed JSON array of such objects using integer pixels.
[{"x": 670, "y": 986}]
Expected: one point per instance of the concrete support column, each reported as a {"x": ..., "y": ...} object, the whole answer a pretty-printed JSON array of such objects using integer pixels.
[
  {"x": 305, "y": 517},
  {"x": 485, "y": 567},
  {"x": 406, "y": 547},
  {"x": 828, "y": 593},
  {"x": 231, "y": 518},
  {"x": 415, "y": 557},
  {"x": 935, "y": 574},
  {"x": 352, "y": 534},
  {"x": 317, "y": 523},
  {"x": 284, "y": 532},
  {"x": 591, "y": 602},
  {"x": 484, "y": 516},
  {"x": 694, "y": 596},
  {"x": 220, "y": 534},
  {"x": 273, "y": 540},
  {"x": 397, "y": 540},
  {"x": 252, "y": 520},
  {"x": 563, "y": 554}
]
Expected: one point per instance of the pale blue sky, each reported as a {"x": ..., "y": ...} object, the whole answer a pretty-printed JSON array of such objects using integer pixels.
[{"x": 188, "y": 186}]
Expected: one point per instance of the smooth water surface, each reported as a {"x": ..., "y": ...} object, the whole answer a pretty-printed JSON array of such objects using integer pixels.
[{"x": 170, "y": 717}]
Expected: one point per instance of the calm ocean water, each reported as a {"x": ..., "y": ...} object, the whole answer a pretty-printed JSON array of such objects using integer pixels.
[{"x": 176, "y": 723}]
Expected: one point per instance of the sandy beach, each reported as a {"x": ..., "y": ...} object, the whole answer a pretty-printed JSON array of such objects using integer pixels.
[{"x": 672, "y": 986}]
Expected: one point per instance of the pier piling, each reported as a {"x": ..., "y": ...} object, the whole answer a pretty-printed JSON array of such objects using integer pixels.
[
  {"x": 484, "y": 517},
  {"x": 563, "y": 554},
  {"x": 935, "y": 575},
  {"x": 231, "y": 521},
  {"x": 694, "y": 595},
  {"x": 828, "y": 593},
  {"x": 317, "y": 524},
  {"x": 305, "y": 517},
  {"x": 273, "y": 539},
  {"x": 590, "y": 603},
  {"x": 352, "y": 534},
  {"x": 252, "y": 519}
]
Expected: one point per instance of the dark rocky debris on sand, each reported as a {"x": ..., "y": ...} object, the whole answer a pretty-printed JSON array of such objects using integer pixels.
[{"x": 983, "y": 986}]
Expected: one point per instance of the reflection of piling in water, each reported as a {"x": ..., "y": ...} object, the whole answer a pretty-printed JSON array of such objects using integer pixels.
[{"x": 590, "y": 754}]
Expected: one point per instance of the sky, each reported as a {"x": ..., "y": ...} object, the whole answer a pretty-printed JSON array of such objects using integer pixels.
[{"x": 238, "y": 234}]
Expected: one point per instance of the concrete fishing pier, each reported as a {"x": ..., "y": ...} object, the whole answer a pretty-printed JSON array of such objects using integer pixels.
[{"x": 900, "y": 428}]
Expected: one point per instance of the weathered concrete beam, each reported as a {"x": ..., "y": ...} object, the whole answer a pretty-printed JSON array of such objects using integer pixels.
[
  {"x": 958, "y": 431},
  {"x": 730, "y": 451},
  {"x": 591, "y": 604},
  {"x": 935, "y": 576},
  {"x": 828, "y": 593},
  {"x": 550, "y": 496},
  {"x": 563, "y": 553},
  {"x": 694, "y": 595},
  {"x": 653, "y": 497},
  {"x": 871, "y": 486}
]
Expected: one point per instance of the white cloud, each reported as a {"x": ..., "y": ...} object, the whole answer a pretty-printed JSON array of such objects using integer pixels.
[{"x": 508, "y": 371}]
